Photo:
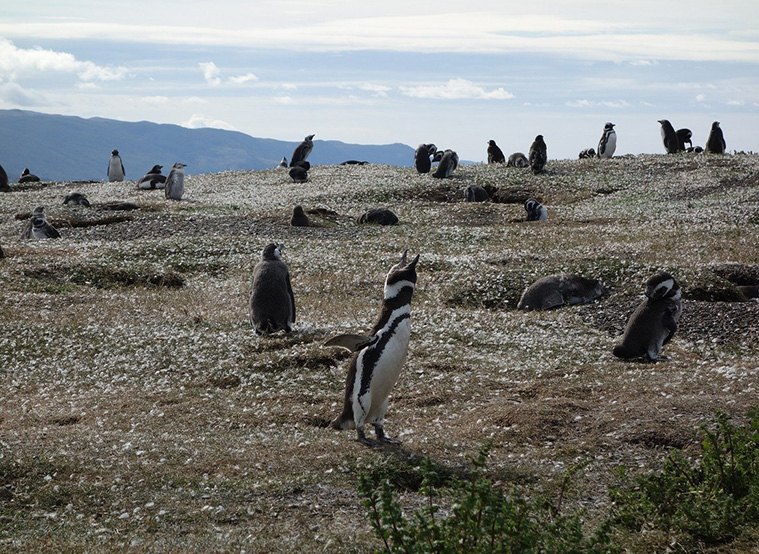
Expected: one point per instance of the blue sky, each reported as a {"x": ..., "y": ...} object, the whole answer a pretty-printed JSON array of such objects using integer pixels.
[{"x": 453, "y": 73}]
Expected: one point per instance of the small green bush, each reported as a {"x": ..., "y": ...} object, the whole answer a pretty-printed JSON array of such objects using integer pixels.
[
  {"x": 478, "y": 517},
  {"x": 711, "y": 501}
]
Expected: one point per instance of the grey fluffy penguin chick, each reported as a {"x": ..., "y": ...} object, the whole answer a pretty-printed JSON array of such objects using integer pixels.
[
  {"x": 272, "y": 303},
  {"x": 554, "y": 291}
]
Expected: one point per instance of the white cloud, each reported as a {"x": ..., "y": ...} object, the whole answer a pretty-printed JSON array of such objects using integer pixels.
[
  {"x": 700, "y": 98},
  {"x": 247, "y": 78},
  {"x": 283, "y": 100},
  {"x": 212, "y": 75},
  {"x": 593, "y": 104},
  {"x": 378, "y": 90},
  {"x": 736, "y": 103},
  {"x": 16, "y": 95},
  {"x": 198, "y": 121},
  {"x": 155, "y": 100},
  {"x": 455, "y": 89}
]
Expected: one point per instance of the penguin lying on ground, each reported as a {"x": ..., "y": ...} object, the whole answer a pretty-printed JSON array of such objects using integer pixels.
[
  {"x": 557, "y": 290},
  {"x": 535, "y": 210},
  {"x": 298, "y": 174},
  {"x": 272, "y": 303},
  {"x": 379, "y": 357},
  {"x": 38, "y": 227},
  {"x": 654, "y": 321},
  {"x": 152, "y": 179},
  {"x": 587, "y": 153},
  {"x": 517, "y": 159},
  {"x": 76, "y": 199},
  {"x": 380, "y": 216},
  {"x": 475, "y": 193},
  {"x": 28, "y": 177}
]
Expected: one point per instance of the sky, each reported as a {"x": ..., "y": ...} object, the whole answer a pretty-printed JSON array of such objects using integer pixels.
[{"x": 453, "y": 73}]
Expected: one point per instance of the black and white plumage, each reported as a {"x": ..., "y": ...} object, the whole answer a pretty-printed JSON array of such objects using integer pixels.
[
  {"x": 654, "y": 321},
  {"x": 608, "y": 143},
  {"x": 299, "y": 217},
  {"x": 447, "y": 164},
  {"x": 272, "y": 303},
  {"x": 298, "y": 174},
  {"x": 517, "y": 159},
  {"x": 683, "y": 136},
  {"x": 28, "y": 177},
  {"x": 422, "y": 156},
  {"x": 587, "y": 153},
  {"x": 38, "y": 227},
  {"x": 378, "y": 216},
  {"x": 302, "y": 151},
  {"x": 715, "y": 144},
  {"x": 379, "y": 357},
  {"x": 669, "y": 137},
  {"x": 153, "y": 179},
  {"x": 4, "y": 186},
  {"x": 283, "y": 163},
  {"x": 174, "y": 187},
  {"x": 76, "y": 199},
  {"x": 495, "y": 154},
  {"x": 115, "y": 171},
  {"x": 554, "y": 291},
  {"x": 535, "y": 210},
  {"x": 538, "y": 155},
  {"x": 475, "y": 193}
]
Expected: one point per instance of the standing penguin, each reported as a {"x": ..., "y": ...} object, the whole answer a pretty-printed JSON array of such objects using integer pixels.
[
  {"x": 538, "y": 155},
  {"x": 4, "y": 186},
  {"x": 684, "y": 135},
  {"x": 495, "y": 154},
  {"x": 379, "y": 357},
  {"x": 299, "y": 217},
  {"x": 152, "y": 179},
  {"x": 38, "y": 227},
  {"x": 715, "y": 144},
  {"x": 608, "y": 143},
  {"x": 654, "y": 321},
  {"x": 272, "y": 304},
  {"x": 116, "y": 171},
  {"x": 174, "y": 187},
  {"x": 302, "y": 151},
  {"x": 669, "y": 137},
  {"x": 422, "y": 155},
  {"x": 448, "y": 162},
  {"x": 535, "y": 210}
]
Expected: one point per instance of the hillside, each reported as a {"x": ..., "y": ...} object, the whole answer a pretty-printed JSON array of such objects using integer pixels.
[
  {"x": 140, "y": 409},
  {"x": 65, "y": 148}
]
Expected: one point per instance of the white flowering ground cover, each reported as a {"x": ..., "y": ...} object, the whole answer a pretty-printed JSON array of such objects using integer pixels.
[{"x": 139, "y": 409}]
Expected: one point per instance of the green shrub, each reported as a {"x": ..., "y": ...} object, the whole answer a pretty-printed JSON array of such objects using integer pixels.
[{"x": 477, "y": 517}]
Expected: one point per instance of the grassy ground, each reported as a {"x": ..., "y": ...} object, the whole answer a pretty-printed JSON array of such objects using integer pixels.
[{"x": 140, "y": 410}]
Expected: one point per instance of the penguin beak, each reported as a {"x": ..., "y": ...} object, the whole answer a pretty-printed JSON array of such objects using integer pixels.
[
  {"x": 413, "y": 262},
  {"x": 403, "y": 257}
]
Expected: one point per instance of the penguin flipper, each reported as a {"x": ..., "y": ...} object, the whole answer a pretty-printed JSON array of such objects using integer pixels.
[{"x": 352, "y": 343}]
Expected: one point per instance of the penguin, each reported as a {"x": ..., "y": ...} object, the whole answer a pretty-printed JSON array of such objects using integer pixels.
[
  {"x": 303, "y": 164},
  {"x": 299, "y": 217},
  {"x": 495, "y": 154},
  {"x": 272, "y": 304},
  {"x": 116, "y": 171},
  {"x": 538, "y": 155},
  {"x": 683, "y": 136},
  {"x": 298, "y": 174},
  {"x": 76, "y": 199},
  {"x": 608, "y": 143},
  {"x": 379, "y": 216},
  {"x": 587, "y": 153},
  {"x": 38, "y": 228},
  {"x": 654, "y": 321},
  {"x": 475, "y": 193},
  {"x": 152, "y": 179},
  {"x": 28, "y": 177},
  {"x": 4, "y": 186},
  {"x": 517, "y": 159},
  {"x": 302, "y": 151},
  {"x": 378, "y": 358},
  {"x": 557, "y": 290},
  {"x": 715, "y": 144},
  {"x": 448, "y": 163},
  {"x": 283, "y": 163},
  {"x": 2, "y": 254},
  {"x": 422, "y": 155},
  {"x": 174, "y": 187},
  {"x": 535, "y": 210},
  {"x": 354, "y": 162},
  {"x": 668, "y": 136}
]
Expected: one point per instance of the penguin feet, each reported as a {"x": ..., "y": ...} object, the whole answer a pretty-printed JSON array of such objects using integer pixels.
[
  {"x": 363, "y": 440},
  {"x": 381, "y": 437}
]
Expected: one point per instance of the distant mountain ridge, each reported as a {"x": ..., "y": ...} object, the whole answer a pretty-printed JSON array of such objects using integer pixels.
[{"x": 70, "y": 148}]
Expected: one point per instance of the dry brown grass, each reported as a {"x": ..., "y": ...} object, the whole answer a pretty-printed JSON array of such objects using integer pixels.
[{"x": 138, "y": 414}]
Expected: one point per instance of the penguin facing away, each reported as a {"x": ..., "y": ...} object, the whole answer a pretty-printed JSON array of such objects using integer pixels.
[
  {"x": 715, "y": 144},
  {"x": 38, "y": 228},
  {"x": 302, "y": 151},
  {"x": 554, "y": 291},
  {"x": 174, "y": 187},
  {"x": 422, "y": 154},
  {"x": 379, "y": 357},
  {"x": 683, "y": 136},
  {"x": 299, "y": 217},
  {"x": 76, "y": 199},
  {"x": 447, "y": 164},
  {"x": 535, "y": 210},
  {"x": 495, "y": 154},
  {"x": 608, "y": 143},
  {"x": 669, "y": 137},
  {"x": 28, "y": 177},
  {"x": 654, "y": 321},
  {"x": 4, "y": 186},
  {"x": 538, "y": 155},
  {"x": 272, "y": 303},
  {"x": 517, "y": 159},
  {"x": 115, "y": 171},
  {"x": 153, "y": 179}
]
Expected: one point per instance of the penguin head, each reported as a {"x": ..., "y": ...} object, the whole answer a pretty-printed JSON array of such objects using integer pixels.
[
  {"x": 665, "y": 123},
  {"x": 25, "y": 172},
  {"x": 715, "y": 125},
  {"x": 298, "y": 210},
  {"x": 609, "y": 126},
  {"x": 402, "y": 274},
  {"x": 309, "y": 138},
  {"x": 491, "y": 142},
  {"x": 431, "y": 149},
  {"x": 539, "y": 138},
  {"x": 115, "y": 152},
  {"x": 662, "y": 285},
  {"x": 156, "y": 169},
  {"x": 179, "y": 165},
  {"x": 272, "y": 252}
]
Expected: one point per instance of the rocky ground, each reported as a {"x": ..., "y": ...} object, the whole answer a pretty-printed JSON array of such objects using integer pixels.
[{"x": 140, "y": 410}]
